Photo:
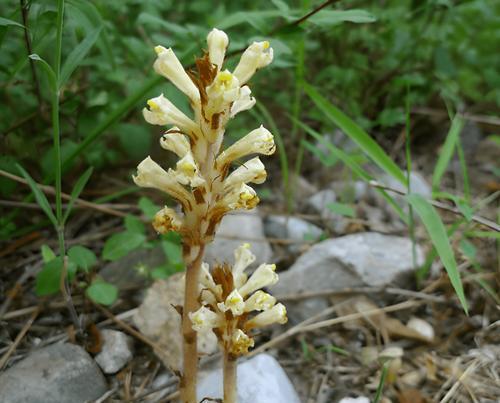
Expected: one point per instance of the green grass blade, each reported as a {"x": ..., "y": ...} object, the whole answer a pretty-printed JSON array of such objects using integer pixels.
[
  {"x": 380, "y": 388},
  {"x": 79, "y": 185},
  {"x": 49, "y": 72},
  {"x": 447, "y": 151},
  {"x": 112, "y": 118},
  {"x": 77, "y": 55},
  {"x": 441, "y": 242},
  {"x": 357, "y": 134},
  {"x": 40, "y": 197}
]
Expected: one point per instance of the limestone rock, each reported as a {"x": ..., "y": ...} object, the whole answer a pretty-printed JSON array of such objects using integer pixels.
[
  {"x": 235, "y": 229},
  {"x": 59, "y": 373},
  {"x": 260, "y": 379},
  {"x": 293, "y": 228},
  {"x": 362, "y": 259},
  {"x": 116, "y": 351},
  {"x": 157, "y": 318}
]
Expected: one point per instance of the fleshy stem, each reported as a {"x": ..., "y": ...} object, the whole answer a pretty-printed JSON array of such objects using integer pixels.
[
  {"x": 229, "y": 377},
  {"x": 191, "y": 304},
  {"x": 57, "y": 151}
]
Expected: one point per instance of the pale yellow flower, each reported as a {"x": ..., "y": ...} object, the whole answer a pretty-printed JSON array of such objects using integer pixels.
[
  {"x": 256, "y": 56},
  {"x": 277, "y": 314},
  {"x": 217, "y": 44}
]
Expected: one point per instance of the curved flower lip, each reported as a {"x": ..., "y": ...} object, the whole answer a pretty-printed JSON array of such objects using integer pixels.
[
  {"x": 187, "y": 171},
  {"x": 251, "y": 171},
  {"x": 204, "y": 319},
  {"x": 243, "y": 257},
  {"x": 259, "y": 301},
  {"x": 174, "y": 140},
  {"x": 163, "y": 112},
  {"x": 262, "y": 277},
  {"x": 207, "y": 281},
  {"x": 277, "y": 314},
  {"x": 168, "y": 65},
  {"x": 243, "y": 102},
  {"x": 256, "y": 56},
  {"x": 258, "y": 141},
  {"x": 234, "y": 303},
  {"x": 152, "y": 175},
  {"x": 217, "y": 44}
]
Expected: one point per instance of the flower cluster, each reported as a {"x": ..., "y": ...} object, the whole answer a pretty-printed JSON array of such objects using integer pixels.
[
  {"x": 229, "y": 297},
  {"x": 201, "y": 180}
]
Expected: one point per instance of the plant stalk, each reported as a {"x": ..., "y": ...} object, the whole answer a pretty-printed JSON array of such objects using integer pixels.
[
  {"x": 230, "y": 394},
  {"x": 190, "y": 350}
]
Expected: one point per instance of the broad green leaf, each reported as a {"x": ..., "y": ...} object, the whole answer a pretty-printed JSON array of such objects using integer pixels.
[
  {"x": 334, "y": 17},
  {"x": 357, "y": 134},
  {"x": 437, "y": 232},
  {"x": 134, "y": 224},
  {"x": 47, "y": 254},
  {"x": 102, "y": 293},
  {"x": 134, "y": 139},
  {"x": 77, "y": 55},
  {"x": 341, "y": 209},
  {"x": 48, "y": 280},
  {"x": 77, "y": 189},
  {"x": 82, "y": 257},
  {"x": 121, "y": 244},
  {"x": 447, "y": 151},
  {"x": 40, "y": 197},
  {"x": 148, "y": 208},
  {"x": 166, "y": 270},
  {"x": 5, "y": 22},
  {"x": 51, "y": 76}
]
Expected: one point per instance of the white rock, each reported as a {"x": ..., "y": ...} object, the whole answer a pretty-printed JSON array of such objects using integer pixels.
[
  {"x": 360, "y": 399},
  {"x": 116, "y": 351},
  {"x": 422, "y": 327},
  {"x": 236, "y": 229},
  {"x": 296, "y": 229},
  {"x": 319, "y": 201},
  {"x": 157, "y": 318},
  {"x": 362, "y": 259},
  {"x": 260, "y": 380},
  {"x": 59, "y": 373}
]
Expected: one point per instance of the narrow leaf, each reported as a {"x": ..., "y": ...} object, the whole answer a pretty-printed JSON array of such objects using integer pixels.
[
  {"x": 77, "y": 189},
  {"x": 447, "y": 151},
  {"x": 40, "y": 197},
  {"x": 341, "y": 209},
  {"x": 439, "y": 238},
  {"x": 4, "y": 22},
  {"x": 51, "y": 76},
  {"x": 357, "y": 134},
  {"x": 77, "y": 55}
]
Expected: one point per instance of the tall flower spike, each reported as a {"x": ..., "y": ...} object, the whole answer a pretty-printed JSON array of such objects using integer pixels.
[
  {"x": 217, "y": 44},
  {"x": 171, "y": 68}
]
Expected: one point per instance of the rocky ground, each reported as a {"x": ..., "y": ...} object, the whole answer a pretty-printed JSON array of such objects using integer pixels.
[{"x": 356, "y": 312}]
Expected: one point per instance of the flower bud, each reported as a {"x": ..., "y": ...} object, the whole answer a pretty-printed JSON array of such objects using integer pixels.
[
  {"x": 171, "y": 68},
  {"x": 256, "y": 56},
  {"x": 217, "y": 44}
]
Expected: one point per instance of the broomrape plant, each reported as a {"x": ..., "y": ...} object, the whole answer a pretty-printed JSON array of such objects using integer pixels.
[{"x": 206, "y": 189}]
